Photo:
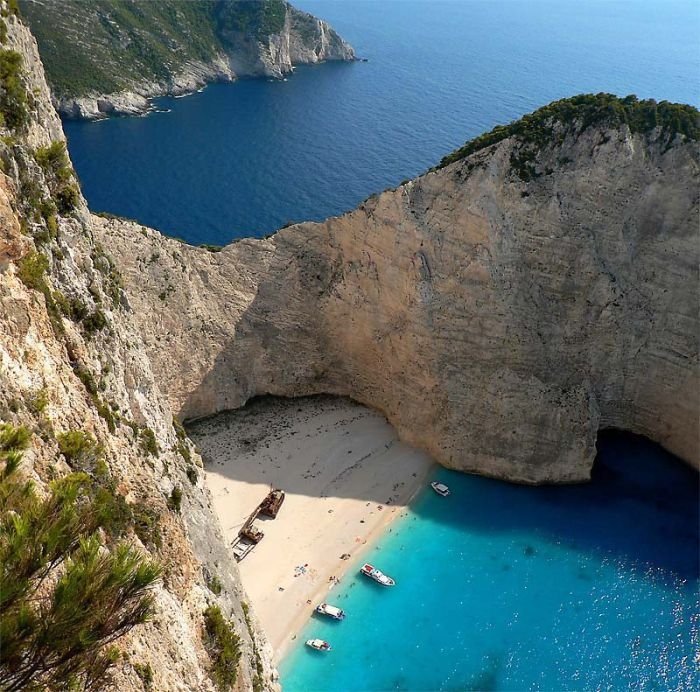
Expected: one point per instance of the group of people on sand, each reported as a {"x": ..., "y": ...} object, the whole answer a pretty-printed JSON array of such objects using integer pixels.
[{"x": 300, "y": 569}]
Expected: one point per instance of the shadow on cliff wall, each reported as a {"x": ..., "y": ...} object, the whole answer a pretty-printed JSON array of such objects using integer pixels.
[
  {"x": 641, "y": 507},
  {"x": 279, "y": 345}
]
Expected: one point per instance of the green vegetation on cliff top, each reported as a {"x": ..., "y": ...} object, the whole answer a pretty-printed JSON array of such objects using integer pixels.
[
  {"x": 254, "y": 19},
  {"x": 104, "y": 46},
  {"x": 538, "y": 128}
]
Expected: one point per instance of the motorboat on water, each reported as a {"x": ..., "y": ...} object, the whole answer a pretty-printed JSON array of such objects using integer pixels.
[
  {"x": 440, "y": 488},
  {"x": 318, "y": 644},
  {"x": 330, "y": 611},
  {"x": 378, "y": 576}
]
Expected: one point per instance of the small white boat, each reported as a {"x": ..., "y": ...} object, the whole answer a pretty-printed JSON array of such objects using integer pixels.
[
  {"x": 330, "y": 611},
  {"x": 378, "y": 576},
  {"x": 318, "y": 644},
  {"x": 440, "y": 488}
]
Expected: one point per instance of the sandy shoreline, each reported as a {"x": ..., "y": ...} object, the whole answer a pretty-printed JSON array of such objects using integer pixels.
[{"x": 346, "y": 475}]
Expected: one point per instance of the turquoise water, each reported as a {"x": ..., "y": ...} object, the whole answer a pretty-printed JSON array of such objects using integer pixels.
[
  {"x": 243, "y": 159},
  {"x": 502, "y": 587}
]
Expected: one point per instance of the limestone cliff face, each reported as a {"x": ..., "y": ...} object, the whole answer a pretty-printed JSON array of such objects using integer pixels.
[
  {"x": 59, "y": 374},
  {"x": 303, "y": 40},
  {"x": 499, "y": 324},
  {"x": 313, "y": 40}
]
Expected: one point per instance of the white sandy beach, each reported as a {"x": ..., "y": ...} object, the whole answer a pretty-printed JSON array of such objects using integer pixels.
[{"x": 346, "y": 476}]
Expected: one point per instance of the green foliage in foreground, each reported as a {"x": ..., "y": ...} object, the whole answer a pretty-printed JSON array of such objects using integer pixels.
[
  {"x": 175, "y": 499},
  {"x": 13, "y": 438},
  {"x": 54, "y": 158},
  {"x": 79, "y": 448},
  {"x": 64, "y": 598},
  {"x": 214, "y": 584},
  {"x": 537, "y": 128},
  {"x": 148, "y": 442},
  {"x": 32, "y": 270},
  {"x": 95, "y": 322},
  {"x": 224, "y": 647},
  {"x": 145, "y": 673}
]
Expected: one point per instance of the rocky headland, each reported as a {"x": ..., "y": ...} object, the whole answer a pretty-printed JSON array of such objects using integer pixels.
[
  {"x": 73, "y": 367},
  {"x": 499, "y": 310},
  {"x": 107, "y": 57}
]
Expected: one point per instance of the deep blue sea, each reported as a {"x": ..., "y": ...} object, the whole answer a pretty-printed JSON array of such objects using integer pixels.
[
  {"x": 243, "y": 159},
  {"x": 502, "y": 587}
]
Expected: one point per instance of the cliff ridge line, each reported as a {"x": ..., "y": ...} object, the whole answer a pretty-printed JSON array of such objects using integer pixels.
[
  {"x": 72, "y": 363},
  {"x": 499, "y": 312}
]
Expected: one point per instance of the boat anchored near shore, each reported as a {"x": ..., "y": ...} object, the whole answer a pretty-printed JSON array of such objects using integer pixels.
[
  {"x": 318, "y": 644},
  {"x": 440, "y": 488},
  {"x": 378, "y": 576},
  {"x": 330, "y": 611}
]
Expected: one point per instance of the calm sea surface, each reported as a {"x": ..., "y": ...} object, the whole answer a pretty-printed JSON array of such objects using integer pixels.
[
  {"x": 243, "y": 159},
  {"x": 499, "y": 587}
]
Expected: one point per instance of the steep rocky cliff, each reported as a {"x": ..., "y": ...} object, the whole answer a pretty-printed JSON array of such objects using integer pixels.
[
  {"x": 301, "y": 39},
  {"x": 72, "y": 360},
  {"x": 500, "y": 310},
  {"x": 111, "y": 56}
]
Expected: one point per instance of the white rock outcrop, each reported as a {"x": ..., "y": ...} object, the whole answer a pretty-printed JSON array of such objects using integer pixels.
[{"x": 137, "y": 100}]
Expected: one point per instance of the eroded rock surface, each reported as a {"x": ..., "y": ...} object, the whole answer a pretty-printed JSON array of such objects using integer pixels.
[{"x": 499, "y": 324}]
